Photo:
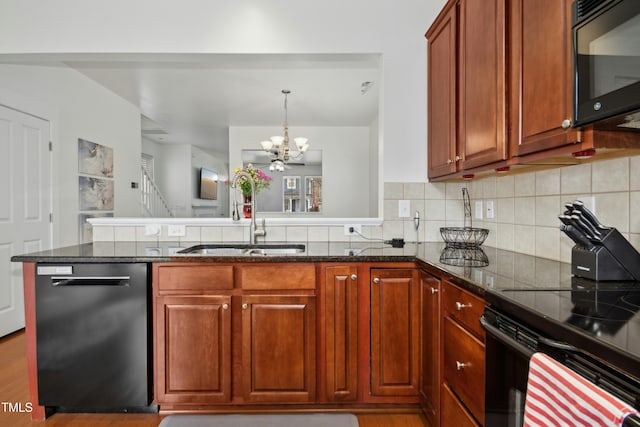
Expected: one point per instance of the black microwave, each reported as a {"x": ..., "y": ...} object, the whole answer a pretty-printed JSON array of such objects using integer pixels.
[{"x": 606, "y": 42}]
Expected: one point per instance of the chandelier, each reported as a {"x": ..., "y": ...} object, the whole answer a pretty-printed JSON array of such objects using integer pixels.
[{"x": 278, "y": 146}]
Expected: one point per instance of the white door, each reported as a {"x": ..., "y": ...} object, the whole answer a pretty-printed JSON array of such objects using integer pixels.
[{"x": 25, "y": 205}]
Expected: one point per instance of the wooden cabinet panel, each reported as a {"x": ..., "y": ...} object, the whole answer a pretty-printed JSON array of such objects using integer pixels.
[
  {"x": 442, "y": 56},
  {"x": 193, "y": 338},
  {"x": 190, "y": 277},
  {"x": 341, "y": 336},
  {"x": 453, "y": 413},
  {"x": 430, "y": 347},
  {"x": 482, "y": 78},
  {"x": 541, "y": 75},
  {"x": 278, "y": 276},
  {"x": 395, "y": 305},
  {"x": 464, "y": 369},
  {"x": 279, "y": 348},
  {"x": 465, "y": 307}
]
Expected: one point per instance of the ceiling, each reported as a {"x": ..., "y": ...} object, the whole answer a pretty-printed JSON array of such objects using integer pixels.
[{"x": 194, "y": 98}]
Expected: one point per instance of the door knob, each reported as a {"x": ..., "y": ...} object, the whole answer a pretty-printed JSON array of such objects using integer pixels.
[
  {"x": 434, "y": 290},
  {"x": 460, "y": 306},
  {"x": 460, "y": 366},
  {"x": 225, "y": 306},
  {"x": 354, "y": 277},
  {"x": 245, "y": 306},
  {"x": 376, "y": 280},
  {"x": 566, "y": 124}
]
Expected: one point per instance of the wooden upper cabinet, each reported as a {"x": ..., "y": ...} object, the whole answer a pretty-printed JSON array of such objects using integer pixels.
[
  {"x": 442, "y": 56},
  {"x": 541, "y": 75},
  {"x": 482, "y": 78},
  {"x": 467, "y": 126}
]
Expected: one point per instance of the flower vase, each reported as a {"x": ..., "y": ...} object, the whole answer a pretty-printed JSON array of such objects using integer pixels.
[{"x": 246, "y": 209}]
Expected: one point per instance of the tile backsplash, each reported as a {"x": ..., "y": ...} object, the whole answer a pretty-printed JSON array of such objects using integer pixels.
[{"x": 525, "y": 210}]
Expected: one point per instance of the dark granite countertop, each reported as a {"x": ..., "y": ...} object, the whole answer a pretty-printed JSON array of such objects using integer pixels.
[{"x": 499, "y": 276}]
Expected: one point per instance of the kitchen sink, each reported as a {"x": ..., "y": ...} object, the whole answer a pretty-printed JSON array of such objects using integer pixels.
[{"x": 244, "y": 249}]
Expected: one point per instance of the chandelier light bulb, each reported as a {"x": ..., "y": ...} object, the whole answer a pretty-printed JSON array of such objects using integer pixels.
[
  {"x": 301, "y": 142},
  {"x": 277, "y": 140},
  {"x": 266, "y": 145}
]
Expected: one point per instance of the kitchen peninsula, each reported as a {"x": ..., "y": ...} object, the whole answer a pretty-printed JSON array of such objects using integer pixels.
[{"x": 366, "y": 324}]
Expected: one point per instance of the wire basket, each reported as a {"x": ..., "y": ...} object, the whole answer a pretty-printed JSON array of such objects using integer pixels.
[
  {"x": 464, "y": 237},
  {"x": 464, "y": 257}
]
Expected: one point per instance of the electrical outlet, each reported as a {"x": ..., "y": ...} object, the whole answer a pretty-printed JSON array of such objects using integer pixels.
[
  {"x": 404, "y": 208},
  {"x": 356, "y": 227},
  {"x": 479, "y": 209},
  {"x": 490, "y": 211},
  {"x": 176, "y": 230}
]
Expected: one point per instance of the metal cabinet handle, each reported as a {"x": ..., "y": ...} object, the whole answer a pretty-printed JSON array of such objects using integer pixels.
[
  {"x": 376, "y": 280},
  {"x": 449, "y": 161},
  {"x": 458, "y": 158},
  {"x": 460, "y": 366},
  {"x": 566, "y": 124},
  {"x": 354, "y": 277},
  {"x": 225, "y": 306},
  {"x": 434, "y": 290},
  {"x": 460, "y": 306},
  {"x": 245, "y": 306}
]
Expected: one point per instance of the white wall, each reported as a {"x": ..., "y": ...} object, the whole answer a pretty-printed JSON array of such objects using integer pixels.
[
  {"x": 177, "y": 171},
  {"x": 345, "y": 185},
  {"x": 391, "y": 27},
  {"x": 78, "y": 108}
]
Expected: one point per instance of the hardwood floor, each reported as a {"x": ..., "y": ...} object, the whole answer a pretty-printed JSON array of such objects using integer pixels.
[{"x": 14, "y": 398}]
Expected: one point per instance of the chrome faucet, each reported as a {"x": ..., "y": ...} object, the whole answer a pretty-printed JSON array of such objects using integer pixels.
[{"x": 254, "y": 231}]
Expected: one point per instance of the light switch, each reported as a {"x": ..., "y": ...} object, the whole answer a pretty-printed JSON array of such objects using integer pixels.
[
  {"x": 404, "y": 208},
  {"x": 176, "y": 230}
]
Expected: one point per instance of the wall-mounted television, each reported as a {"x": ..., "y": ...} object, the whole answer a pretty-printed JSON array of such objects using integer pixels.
[{"x": 208, "y": 184}]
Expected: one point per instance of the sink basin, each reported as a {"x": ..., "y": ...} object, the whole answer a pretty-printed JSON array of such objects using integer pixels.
[{"x": 243, "y": 249}]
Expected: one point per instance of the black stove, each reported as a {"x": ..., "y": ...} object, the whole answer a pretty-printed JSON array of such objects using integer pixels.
[{"x": 603, "y": 318}]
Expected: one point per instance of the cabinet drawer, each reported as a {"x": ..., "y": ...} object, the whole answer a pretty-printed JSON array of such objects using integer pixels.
[
  {"x": 278, "y": 276},
  {"x": 465, "y": 307},
  {"x": 194, "y": 277},
  {"x": 453, "y": 412},
  {"x": 464, "y": 366}
]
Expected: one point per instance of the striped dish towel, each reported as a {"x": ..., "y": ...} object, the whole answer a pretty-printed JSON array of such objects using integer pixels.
[{"x": 557, "y": 396}]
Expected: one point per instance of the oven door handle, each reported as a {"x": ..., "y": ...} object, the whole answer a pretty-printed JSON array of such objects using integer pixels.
[
  {"x": 505, "y": 339},
  {"x": 558, "y": 344}
]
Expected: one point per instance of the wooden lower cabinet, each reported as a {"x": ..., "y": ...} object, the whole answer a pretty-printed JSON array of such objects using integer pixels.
[
  {"x": 193, "y": 360},
  {"x": 395, "y": 332},
  {"x": 453, "y": 412},
  {"x": 279, "y": 348},
  {"x": 463, "y": 352},
  {"x": 430, "y": 347},
  {"x": 340, "y": 295}
]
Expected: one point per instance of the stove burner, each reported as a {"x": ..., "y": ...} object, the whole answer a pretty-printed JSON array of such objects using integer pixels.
[{"x": 633, "y": 300}]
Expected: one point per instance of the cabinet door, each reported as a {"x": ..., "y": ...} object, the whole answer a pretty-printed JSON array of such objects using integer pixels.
[
  {"x": 395, "y": 332},
  {"x": 541, "y": 71},
  {"x": 193, "y": 349},
  {"x": 341, "y": 336},
  {"x": 463, "y": 366},
  {"x": 482, "y": 95},
  {"x": 441, "y": 81},
  {"x": 453, "y": 412},
  {"x": 430, "y": 347},
  {"x": 279, "y": 348}
]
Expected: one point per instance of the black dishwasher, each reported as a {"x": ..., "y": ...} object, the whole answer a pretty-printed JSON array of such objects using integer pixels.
[{"x": 92, "y": 335}]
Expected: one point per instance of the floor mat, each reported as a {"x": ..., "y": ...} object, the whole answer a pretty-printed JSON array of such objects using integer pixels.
[{"x": 261, "y": 420}]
